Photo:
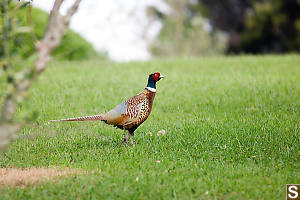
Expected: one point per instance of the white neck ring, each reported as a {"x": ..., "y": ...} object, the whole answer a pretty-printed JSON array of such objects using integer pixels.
[{"x": 151, "y": 89}]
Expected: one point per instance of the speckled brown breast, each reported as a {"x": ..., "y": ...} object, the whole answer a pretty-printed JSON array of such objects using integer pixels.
[{"x": 141, "y": 111}]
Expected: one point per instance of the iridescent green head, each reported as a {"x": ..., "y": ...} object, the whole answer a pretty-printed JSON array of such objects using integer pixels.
[{"x": 153, "y": 79}]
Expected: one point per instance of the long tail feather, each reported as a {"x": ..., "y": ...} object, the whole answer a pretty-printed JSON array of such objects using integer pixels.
[{"x": 85, "y": 118}]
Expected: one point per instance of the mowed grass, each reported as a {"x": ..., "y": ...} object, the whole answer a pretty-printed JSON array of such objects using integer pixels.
[{"x": 232, "y": 130}]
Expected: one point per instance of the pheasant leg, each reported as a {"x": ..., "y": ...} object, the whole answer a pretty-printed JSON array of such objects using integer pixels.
[
  {"x": 125, "y": 137},
  {"x": 131, "y": 139}
]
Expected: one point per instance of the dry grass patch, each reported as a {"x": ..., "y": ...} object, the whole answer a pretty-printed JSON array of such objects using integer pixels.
[{"x": 21, "y": 177}]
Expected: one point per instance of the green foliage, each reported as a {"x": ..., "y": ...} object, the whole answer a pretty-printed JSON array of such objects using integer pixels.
[
  {"x": 256, "y": 26},
  {"x": 72, "y": 47},
  {"x": 232, "y": 130},
  {"x": 252, "y": 26},
  {"x": 273, "y": 25},
  {"x": 190, "y": 40}
]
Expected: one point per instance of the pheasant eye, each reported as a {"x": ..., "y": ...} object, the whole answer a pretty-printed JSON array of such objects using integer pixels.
[{"x": 155, "y": 76}]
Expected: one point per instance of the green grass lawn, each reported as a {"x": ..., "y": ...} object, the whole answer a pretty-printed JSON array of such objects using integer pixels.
[{"x": 232, "y": 130}]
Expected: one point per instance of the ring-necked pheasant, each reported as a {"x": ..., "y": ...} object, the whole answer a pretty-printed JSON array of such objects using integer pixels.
[{"x": 130, "y": 114}]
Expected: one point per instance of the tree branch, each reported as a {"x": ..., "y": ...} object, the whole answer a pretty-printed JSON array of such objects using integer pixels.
[
  {"x": 57, "y": 25},
  {"x": 56, "y": 28},
  {"x": 72, "y": 10}
]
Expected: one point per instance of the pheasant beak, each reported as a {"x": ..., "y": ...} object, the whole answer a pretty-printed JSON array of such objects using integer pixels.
[{"x": 161, "y": 76}]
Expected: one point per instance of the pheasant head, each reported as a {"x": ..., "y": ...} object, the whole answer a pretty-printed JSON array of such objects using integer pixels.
[{"x": 152, "y": 80}]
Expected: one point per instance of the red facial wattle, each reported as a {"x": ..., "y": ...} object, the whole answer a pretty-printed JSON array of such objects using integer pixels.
[{"x": 156, "y": 76}]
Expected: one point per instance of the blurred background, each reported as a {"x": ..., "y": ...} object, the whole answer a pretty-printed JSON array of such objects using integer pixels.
[{"x": 140, "y": 30}]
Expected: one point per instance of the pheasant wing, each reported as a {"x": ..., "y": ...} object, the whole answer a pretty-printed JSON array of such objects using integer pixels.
[{"x": 126, "y": 112}]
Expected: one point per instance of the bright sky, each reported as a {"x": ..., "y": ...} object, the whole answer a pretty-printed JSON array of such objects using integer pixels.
[{"x": 120, "y": 27}]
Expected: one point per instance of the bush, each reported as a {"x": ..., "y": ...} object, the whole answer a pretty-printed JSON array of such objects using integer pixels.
[{"x": 72, "y": 47}]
